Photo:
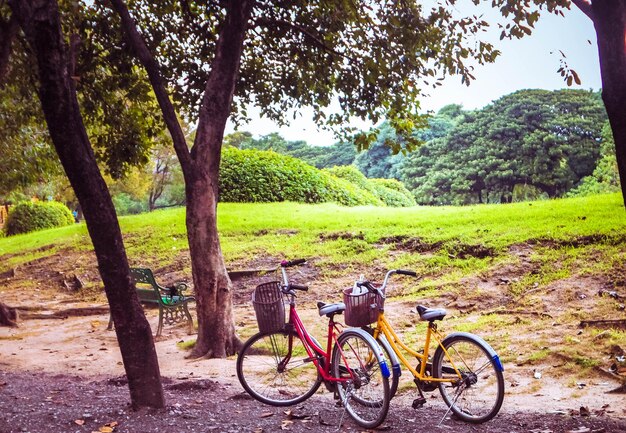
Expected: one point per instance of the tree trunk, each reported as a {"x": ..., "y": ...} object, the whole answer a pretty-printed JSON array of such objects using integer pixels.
[
  {"x": 8, "y": 315},
  {"x": 216, "y": 325},
  {"x": 216, "y": 329},
  {"x": 40, "y": 21},
  {"x": 609, "y": 18}
]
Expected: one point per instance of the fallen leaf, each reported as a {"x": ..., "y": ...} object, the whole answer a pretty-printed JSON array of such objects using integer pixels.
[
  {"x": 291, "y": 415},
  {"x": 267, "y": 414},
  {"x": 285, "y": 424},
  {"x": 79, "y": 421},
  {"x": 108, "y": 427}
]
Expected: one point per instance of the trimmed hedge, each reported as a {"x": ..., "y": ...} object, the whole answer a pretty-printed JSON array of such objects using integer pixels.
[
  {"x": 393, "y": 193},
  {"x": 388, "y": 191},
  {"x": 28, "y": 217},
  {"x": 265, "y": 176}
]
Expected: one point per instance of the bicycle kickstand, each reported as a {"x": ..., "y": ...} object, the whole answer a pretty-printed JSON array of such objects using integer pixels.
[
  {"x": 344, "y": 404},
  {"x": 421, "y": 400}
]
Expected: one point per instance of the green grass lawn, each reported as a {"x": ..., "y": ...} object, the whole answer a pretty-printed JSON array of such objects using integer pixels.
[
  {"x": 361, "y": 234},
  {"x": 445, "y": 244}
]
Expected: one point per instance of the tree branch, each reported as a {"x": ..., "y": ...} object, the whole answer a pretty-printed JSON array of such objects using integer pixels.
[
  {"x": 152, "y": 67},
  {"x": 262, "y": 21},
  {"x": 218, "y": 93},
  {"x": 585, "y": 7}
]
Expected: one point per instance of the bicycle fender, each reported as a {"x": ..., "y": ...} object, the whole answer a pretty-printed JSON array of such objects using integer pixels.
[
  {"x": 395, "y": 362},
  {"x": 379, "y": 352},
  {"x": 479, "y": 340}
]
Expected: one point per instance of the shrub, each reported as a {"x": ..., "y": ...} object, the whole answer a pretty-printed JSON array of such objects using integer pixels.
[
  {"x": 393, "y": 193},
  {"x": 126, "y": 205},
  {"x": 27, "y": 217},
  {"x": 265, "y": 176},
  {"x": 389, "y": 192}
]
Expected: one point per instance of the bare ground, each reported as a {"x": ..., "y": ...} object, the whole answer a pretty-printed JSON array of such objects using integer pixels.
[{"x": 66, "y": 375}]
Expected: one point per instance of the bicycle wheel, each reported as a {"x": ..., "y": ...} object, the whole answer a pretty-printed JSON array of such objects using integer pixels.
[
  {"x": 365, "y": 392},
  {"x": 275, "y": 369},
  {"x": 477, "y": 396}
]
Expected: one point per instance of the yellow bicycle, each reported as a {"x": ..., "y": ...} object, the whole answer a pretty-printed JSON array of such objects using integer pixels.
[{"x": 464, "y": 367}]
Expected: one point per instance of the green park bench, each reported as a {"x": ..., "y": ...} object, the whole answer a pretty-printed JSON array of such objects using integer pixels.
[{"x": 171, "y": 301}]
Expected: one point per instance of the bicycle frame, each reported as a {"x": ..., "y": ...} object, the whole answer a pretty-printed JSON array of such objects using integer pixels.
[
  {"x": 312, "y": 347},
  {"x": 382, "y": 325},
  {"x": 315, "y": 352}
]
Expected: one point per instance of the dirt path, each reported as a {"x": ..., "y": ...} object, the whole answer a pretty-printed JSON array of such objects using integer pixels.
[
  {"x": 65, "y": 375},
  {"x": 45, "y": 364}
]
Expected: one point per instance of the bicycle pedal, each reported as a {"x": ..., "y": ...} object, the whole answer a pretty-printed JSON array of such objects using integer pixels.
[{"x": 418, "y": 402}]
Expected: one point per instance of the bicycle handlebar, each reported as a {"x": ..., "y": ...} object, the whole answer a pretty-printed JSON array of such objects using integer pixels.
[
  {"x": 288, "y": 264},
  {"x": 380, "y": 289},
  {"x": 406, "y": 272},
  {"x": 298, "y": 287}
]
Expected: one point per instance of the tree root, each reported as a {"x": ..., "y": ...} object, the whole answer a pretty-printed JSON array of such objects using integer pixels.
[
  {"x": 618, "y": 323},
  {"x": 8, "y": 316},
  {"x": 513, "y": 312},
  {"x": 64, "y": 314}
]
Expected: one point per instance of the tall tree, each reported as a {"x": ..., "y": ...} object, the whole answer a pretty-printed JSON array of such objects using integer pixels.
[
  {"x": 549, "y": 140},
  {"x": 609, "y": 20},
  {"x": 216, "y": 57},
  {"x": 40, "y": 22},
  {"x": 375, "y": 58},
  {"x": 200, "y": 165}
]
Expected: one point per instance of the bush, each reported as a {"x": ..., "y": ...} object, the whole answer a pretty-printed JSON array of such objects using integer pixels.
[
  {"x": 265, "y": 176},
  {"x": 393, "y": 193},
  {"x": 126, "y": 205},
  {"x": 27, "y": 217},
  {"x": 389, "y": 192}
]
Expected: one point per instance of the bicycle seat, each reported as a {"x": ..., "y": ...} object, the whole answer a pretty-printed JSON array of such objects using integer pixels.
[
  {"x": 431, "y": 314},
  {"x": 329, "y": 310}
]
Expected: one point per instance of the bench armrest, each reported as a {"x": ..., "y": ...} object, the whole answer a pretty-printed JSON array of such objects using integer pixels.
[{"x": 176, "y": 289}]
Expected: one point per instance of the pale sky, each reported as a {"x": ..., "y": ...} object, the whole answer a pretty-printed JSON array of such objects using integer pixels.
[{"x": 529, "y": 63}]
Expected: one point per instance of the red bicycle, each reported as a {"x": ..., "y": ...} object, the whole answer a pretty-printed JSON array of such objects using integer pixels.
[{"x": 284, "y": 365}]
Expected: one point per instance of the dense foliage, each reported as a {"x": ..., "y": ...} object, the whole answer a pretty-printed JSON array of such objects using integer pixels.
[
  {"x": 28, "y": 216},
  {"x": 265, "y": 176},
  {"x": 393, "y": 192},
  {"x": 605, "y": 177},
  {"x": 341, "y": 153},
  {"x": 537, "y": 139},
  {"x": 388, "y": 191}
]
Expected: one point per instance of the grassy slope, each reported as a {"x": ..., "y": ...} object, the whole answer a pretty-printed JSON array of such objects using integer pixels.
[
  {"x": 290, "y": 229},
  {"x": 548, "y": 252}
]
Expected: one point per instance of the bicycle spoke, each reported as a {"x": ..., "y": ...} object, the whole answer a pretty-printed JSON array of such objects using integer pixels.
[
  {"x": 365, "y": 393},
  {"x": 477, "y": 395},
  {"x": 275, "y": 369}
]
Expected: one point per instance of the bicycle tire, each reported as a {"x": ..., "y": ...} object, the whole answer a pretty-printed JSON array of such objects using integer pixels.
[
  {"x": 478, "y": 396},
  {"x": 261, "y": 374},
  {"x": 366, "y": 398}
]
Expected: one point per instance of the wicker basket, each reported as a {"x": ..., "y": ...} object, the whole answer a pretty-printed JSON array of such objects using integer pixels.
[
  {"x": 362, "y": 309},
  {"x": 269, "y": 307}
]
